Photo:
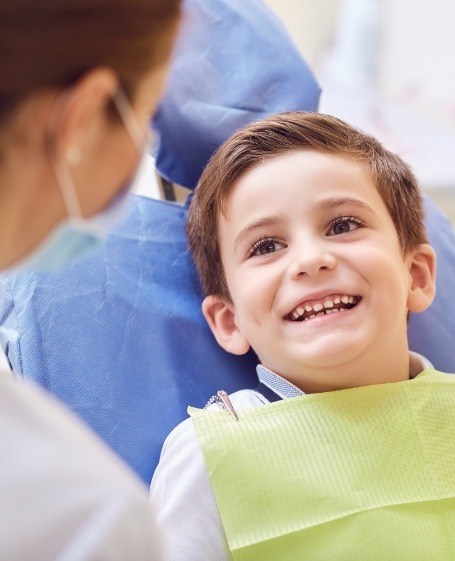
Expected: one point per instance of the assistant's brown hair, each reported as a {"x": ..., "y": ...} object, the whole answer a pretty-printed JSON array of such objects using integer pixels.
[
  {"x": 275, "y": 135},
  {"x": 52, "y": 43}
]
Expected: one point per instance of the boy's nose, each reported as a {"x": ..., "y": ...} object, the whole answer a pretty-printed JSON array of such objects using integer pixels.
[{"x": 311, "y": 260}]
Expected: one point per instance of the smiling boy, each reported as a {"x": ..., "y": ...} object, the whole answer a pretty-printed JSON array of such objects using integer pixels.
[{"x": 310, "y": 243}]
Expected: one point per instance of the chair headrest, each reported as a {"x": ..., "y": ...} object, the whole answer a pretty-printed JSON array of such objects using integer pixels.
[{"x": 234, "y": 63}]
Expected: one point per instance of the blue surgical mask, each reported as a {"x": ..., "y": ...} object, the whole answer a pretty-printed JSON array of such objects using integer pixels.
[{"x": 76, "y": 237}]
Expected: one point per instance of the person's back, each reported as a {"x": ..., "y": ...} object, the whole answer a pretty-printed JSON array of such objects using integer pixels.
[{"x": 309, "y": 240}]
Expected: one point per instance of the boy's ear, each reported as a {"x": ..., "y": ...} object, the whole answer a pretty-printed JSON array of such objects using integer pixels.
[
  {"x": 422, "y": 272},
  {"x": 220, "y": 316}
]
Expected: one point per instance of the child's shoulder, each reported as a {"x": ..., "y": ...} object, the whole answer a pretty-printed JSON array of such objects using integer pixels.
[{"x": 184, "y": 432}]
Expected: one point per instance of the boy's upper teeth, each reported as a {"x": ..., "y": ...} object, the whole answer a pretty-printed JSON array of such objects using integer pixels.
[{"x": 332, "y": 303}]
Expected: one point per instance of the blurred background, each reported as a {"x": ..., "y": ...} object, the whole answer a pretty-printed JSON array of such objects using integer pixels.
[{"x": 387, "y": 67}]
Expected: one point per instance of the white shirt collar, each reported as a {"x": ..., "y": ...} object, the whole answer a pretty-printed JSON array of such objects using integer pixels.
[{"x": 285, "y": 389}]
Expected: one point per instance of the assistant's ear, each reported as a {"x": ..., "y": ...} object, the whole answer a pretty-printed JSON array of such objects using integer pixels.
[
  {"x": 80, "y": 112},
  {"x": 422, "y": 278},
  {"x": 220, "y": 316}
]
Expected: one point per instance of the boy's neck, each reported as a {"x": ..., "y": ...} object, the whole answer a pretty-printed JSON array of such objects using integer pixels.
[{"x": 365, "y": 371}]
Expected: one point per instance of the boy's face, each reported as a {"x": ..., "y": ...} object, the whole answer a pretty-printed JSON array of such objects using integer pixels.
[{"x": 303, "y": 234}]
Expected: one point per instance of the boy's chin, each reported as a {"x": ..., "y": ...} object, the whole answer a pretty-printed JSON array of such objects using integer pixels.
[
  {"x": 331, "y": 370},
  {"x": 332, "y": 353}
]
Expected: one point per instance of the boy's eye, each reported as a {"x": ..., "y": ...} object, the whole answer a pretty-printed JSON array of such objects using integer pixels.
[
  {"x": 343, "y": 225},
  {"x": 265, "y": 246}
]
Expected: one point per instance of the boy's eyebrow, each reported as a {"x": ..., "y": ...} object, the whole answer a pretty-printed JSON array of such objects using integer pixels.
[
  {"x": 268, "y": 221},
  {"x": 334, "y": 202}
]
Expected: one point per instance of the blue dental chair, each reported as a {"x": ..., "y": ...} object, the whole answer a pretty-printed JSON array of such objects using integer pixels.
[{"x": 119, "y": 337}]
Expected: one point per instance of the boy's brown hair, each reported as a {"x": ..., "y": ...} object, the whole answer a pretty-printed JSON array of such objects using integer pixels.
[{"x": 279, "y": 134}]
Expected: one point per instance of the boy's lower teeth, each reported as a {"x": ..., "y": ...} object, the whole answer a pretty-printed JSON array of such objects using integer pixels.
[{"x": 318, "y": 314}]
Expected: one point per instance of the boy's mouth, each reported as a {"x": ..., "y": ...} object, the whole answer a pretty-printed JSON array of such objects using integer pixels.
[{"x": 334, "y": 303}]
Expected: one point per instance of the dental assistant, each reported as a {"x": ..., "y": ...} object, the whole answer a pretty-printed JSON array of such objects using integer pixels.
[{"x": 79, "y": 81}]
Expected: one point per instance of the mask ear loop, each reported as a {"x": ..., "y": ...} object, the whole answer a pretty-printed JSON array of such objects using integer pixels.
[
  {"x": 129, "y": 119},
  {"x": 142, "y": 142},
  {"x": 60, "y": 167}
]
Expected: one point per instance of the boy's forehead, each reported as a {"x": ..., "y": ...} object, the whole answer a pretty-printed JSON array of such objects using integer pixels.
[{"x": 314, "y": 173}]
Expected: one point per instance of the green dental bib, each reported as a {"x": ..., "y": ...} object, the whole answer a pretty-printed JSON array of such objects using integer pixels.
[{"x": 360, "y": 474}]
